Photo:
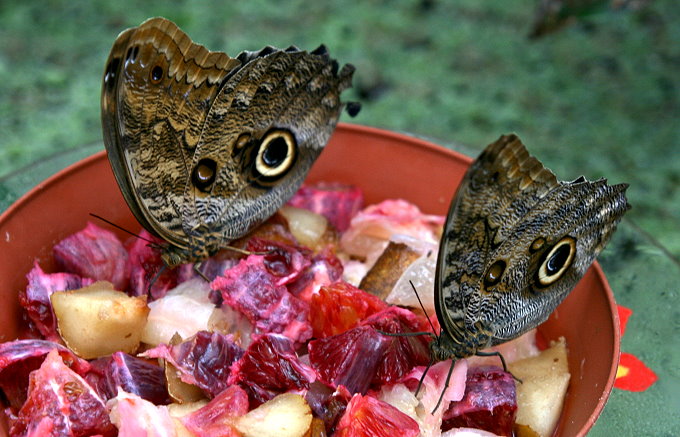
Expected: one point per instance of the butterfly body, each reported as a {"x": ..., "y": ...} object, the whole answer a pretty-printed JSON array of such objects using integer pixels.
[
  {"x": 515, "y": 243},
  {"x": 205, "y": 146}
]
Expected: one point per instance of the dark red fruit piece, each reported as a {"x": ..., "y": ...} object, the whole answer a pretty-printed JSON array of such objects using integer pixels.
[
  {"x": 61, "y": 401},
  {"x": 367, "y": 416},
  {"x": 94, "y": 253},
  {"x": 327, "y": 404},
  {"x": 284, "y": 261},
  {"x": 36, "y": 297},
  {"x": 144, "y": 264},
  {"x": 403, "y": 353},
  {"x": 269, "y": 367},
  {"x": 202, "y": 360},
  {"x": 325, "y": 269},
  {"x": 350, "y": 359},
  {"x": 489, "y": 403},
  {"x": 134, "y": 375},
  {"x": 335, "y": 201},
  {"x": 250, "y": 289},
  {"x": 20, "y": 357},
  {"x": 341, "y": 306}
]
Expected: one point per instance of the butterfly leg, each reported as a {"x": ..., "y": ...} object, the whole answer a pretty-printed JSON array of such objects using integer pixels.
[
  {"x": 446, "y": 386},
  {"x": 197, "y": 269},
  {"x": 500, "y": 356}
]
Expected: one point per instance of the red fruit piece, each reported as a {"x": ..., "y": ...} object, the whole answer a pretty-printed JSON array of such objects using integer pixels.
[
  {"x": 133, "y": 375},
  {"x": 489, "y": 403},
  {"x": 325, "y": 269},
  {"x": 282, "y": 260},
  {"x": 36, "y": 297},
  {"x": 202, "y": 360},
  {"x": 367, "y": 416},
  {"x": 341, "y": 306},
  {"x": 350, "y": 359},
  {"x": 94, "y": 253},
  {"x": 403, "y": 353},
  {"x": 250, "y": 289},
  {"x": 62, "y": 401},
  {"x": 144, "y": 264},
  {"x": 269, "y": 367},
  {"x": 335, "y": 201},
  {"x": 327, "y": 404},
  {"x": 20, "y": 357},
  {"x": 216, "y": 417}
]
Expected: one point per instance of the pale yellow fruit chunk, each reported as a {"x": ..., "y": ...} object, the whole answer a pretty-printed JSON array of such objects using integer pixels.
[
  {"x": 540, "y": 396},
  {"x": 97, "y": 320},
  {"x": 307, "y": 227},
  {"x": 287, "y": 415}
]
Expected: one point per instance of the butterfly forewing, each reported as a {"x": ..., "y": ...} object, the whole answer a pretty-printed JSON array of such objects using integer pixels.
[
  {"x": 515, "y": 242},
  {"x": 183, "y": 128}
]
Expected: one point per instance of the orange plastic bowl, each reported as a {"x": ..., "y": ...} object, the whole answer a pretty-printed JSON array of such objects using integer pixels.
[{"x": 385, "y": 165}]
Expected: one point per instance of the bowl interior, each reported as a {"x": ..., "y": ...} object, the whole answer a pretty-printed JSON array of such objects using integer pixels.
[{"x": 385, "y": 165}]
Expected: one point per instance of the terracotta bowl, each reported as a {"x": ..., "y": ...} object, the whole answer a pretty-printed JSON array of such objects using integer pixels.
[{"x": 385, "y": 165}]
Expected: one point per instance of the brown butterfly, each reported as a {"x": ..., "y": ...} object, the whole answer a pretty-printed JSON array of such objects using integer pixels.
[
  {"x": 205, "y": 146},
  {"x": 515, "y": 243}
]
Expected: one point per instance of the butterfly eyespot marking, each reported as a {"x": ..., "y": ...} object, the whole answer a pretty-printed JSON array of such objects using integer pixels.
[
  {"x": 537, "y": 244},
  {"x": 156, "y": 74},
  {"x": 276, "y": 154},
  {"x": 204, "y": 174},
  {"x": 556, "y": 261},
  {"x": 494, "y": 273}
]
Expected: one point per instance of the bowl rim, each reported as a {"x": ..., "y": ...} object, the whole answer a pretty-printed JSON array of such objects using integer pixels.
[{"x": 350, "y": 128}]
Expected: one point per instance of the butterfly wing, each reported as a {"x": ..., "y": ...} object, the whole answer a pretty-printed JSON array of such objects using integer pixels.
[
  {"x": 183, "y": 127},
  {"x": 266, "y": 127},
  {"x": 516, "y": 241}
]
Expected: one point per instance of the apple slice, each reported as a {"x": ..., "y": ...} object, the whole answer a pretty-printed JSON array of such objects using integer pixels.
[
  {"x": 97, "y": 320},
  {"x": 540, "y": 396},
  {"x": 286, "y": 415}
]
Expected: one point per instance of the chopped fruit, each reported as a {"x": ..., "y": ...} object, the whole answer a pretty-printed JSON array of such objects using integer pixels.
[
  {"x": 325, "y": 269},
  {"x": 133, "y": 416},
  {"x": 403, "y": 353},
  {"x": 284, "y": 261},
  {"x": 367, "y": 416},
  {"x": 185, "y": 310},
  {"x": 133, "y": 375},
  {"x": 270, "y": 366},
  {"x": 337, "y": 202},
  {"x": 545, "y": 379},
  {"x": 489, "y": 402},
  {"x": 19, "y": 358},
  {"x": 63, "y": 402},
  {"x": 340, "y": 306},
  {"x": 308, "y": 227},
  {"x": 251, "y": 289},
  {"x": 218, "y": 416},
  {"x": 148, "y": 274},
  {"x": 36, "y": 297},
  {"x": 373, "y": 227},
  {"x": 94, "y": 253},
  {"x": 350, "y": 359},
  {"x": 287, "y": 415},
  {"x": 97, "y": 320},
  {"x": 327, "y": 403},
  {"x": 388, "y": 268},
  {"x": 202, "y": 360}
]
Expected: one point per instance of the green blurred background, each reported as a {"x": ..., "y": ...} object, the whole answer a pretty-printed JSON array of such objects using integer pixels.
[{"x": 599, "y": 97}]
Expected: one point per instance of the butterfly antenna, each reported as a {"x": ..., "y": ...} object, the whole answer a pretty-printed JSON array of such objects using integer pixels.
[
  {"x": 153, "y": 243},
  {"x": 422, "y": 307}
]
